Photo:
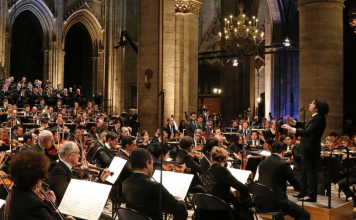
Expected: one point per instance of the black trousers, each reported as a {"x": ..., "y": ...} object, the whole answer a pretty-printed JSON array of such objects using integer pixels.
[
  {"x": 309, "y": 178},
  {"x": 295, "y": 211},
  {"x": 346, "y": 187}
]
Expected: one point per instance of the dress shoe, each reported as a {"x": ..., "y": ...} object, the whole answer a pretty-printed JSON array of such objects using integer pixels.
[
  {"x": 307, "y": 199},
  {"x": 297, "y": 195}
]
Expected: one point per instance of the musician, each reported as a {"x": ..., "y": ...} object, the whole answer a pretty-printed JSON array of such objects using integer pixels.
[
  {"x": 274, "y": 173},
  {"x": 288, "y": 140},
  {"x": 75, "y": 137},
  {"x": 297, "y": 160},
  {"x": 235, "y": 125},
  {"x": 5, "y": 102},
  {"x": 169, "y": 128},
  {"x": 27, "y": 110},
  {"x": 58, "y": 106},
  {"x": 5, "y": 94},
  {"x": 107, "y": 151},
  {"x": 34, "y": 110},
  {"x": 345, "y": 141},
  {"x": 199, "y": 139},
  {"x": 117, "y": 128},
  {"x": 59, "y": 88},
  {"x": 44, "y": 123},
  {"x": 128, "y": 145},
  {"x": 255, "y": 140},
  {"x": 329, "y": 144},
  {"x": 236, "y": 143},
  {"x": 22, "y": 98},
  {"x": 246, "y": 131},
  {"x": 206, "y": 161},
  {"x": 78, "y": 97},
  {"x": 124, "y": 132},
  {"x": 61, "y": 174},
  {"x": 310, "y": 146},
  {"x": 267, "y": 125},
  {"x": 200, "y": 123},
  {"x": 28, "y": 170},
  {"x": 45, "y": 142},
  {"x": 353, "y": 140},
  {"x": 271, "y": 133},
  {"x": 17, "y": 132},
  {"x": 191, "y": 125},
  {"x": 67, "y": 98},
  {"x": 29, "y": 141},
  {"x": 182, "y": 125},
  {"x": 218, "y": 180},
  {"x": 13, "y": 117},
  {"x": 267, "y": 146},
  {"x": 335, "y": 137},
  {"x": 141, "y": 193}
]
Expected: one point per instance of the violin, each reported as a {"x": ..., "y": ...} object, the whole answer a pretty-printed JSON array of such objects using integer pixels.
[
  {"x": 199, "y": 147},
  {"x": 196, "y": 154},
  {"x": 45, "y": 197}
]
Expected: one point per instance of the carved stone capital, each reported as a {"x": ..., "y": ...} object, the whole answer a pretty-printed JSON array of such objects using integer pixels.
[
  {"x": 306, "y": 2},
  {"x": 190, "y": 6}
]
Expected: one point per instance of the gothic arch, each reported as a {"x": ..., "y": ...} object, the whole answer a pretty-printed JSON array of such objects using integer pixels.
[
  {"x": 40, "y": 10},
  {"x": 91, "y": 23}
]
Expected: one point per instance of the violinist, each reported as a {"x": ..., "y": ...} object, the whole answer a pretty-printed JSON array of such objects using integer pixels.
[
  {"x": 13, "y": 117},
  {"x": 345, "y": 141},
  {"x": 44, "y": 123},
  {"x": 297, "y": 160},
  {"x": 335, "y": 138},
  {"x": 28, "y": 170},
  {"x": 183, "y": 156},
  {"x": 76, "y": 136},
  {"x": 106, "y": 153},
  {"x": 141, "y": 193},
  {"x": 246, "y": 130},
  {"x": 288, "y": 140},
  {"x": 199, "y": 139},
  {"x": 61, "y": 126},
  {"x": 17, "y": 132},
  {"x": 218, "y": 180},
  {"x": 61, "y": 174},
  {"x": 27, "y": 110},
  {"x": 117, "y": 127},
  {"x": 256, "y": 141},
  {"x": 271, "y": 133},
  {"x": 29, "y": 141},
  {"x": 169, "y": 128},
  {"x": 206, "y": 161},
  {"x": 329, "y": 144},
  {"x": 45, "y": 143},
  {"x": 182, "y": 125},
  {"x": 353, "y": 140},
  {"x": 236, "y": 143},
  {"x": 267, "y": 146}
]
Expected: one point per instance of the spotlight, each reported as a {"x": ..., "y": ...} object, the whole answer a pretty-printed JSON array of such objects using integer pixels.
[
  {"x": 235, "y": 62},
  {"x": 286, "y": 42}
]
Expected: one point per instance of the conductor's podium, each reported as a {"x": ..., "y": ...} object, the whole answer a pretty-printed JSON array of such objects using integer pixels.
[{"x": 340, "y": 209}]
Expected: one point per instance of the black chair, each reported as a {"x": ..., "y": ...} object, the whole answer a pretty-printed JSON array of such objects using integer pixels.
[
  {"x": 211, "y": 207},
  {"x": 271, "y": 204},
  {"x": 130, "y": 214}
]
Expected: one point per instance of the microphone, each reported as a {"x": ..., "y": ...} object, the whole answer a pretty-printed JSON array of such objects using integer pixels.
[{"x": 302, "y": 109}]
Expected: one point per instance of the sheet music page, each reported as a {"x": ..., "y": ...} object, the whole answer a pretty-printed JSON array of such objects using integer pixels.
[
  {"x": 177, "y": 184},
  {"x": 84, "y": 199},
  {"x": 240, "y": 175},
  {"x": 116, "y": 166},
  {"x": 265, "y": 153},
  {"x": 257, "y": 175},
  {"x": 2, "y": 202}
]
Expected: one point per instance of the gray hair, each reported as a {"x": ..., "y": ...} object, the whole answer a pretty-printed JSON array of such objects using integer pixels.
[
  {"x": 199, "y": 131},
  {"x": 67, "y": 147},
  {"x": 328, "y": 138},
  {"x": 103, "y": 135}
]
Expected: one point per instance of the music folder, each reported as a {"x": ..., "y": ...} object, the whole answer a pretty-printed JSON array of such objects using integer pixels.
[
  {"x": 84, "y": 199},
  {"x": 177, "y": 184}
]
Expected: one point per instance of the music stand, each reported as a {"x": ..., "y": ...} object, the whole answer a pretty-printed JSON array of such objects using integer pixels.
[{"x": 252, "y": 163}]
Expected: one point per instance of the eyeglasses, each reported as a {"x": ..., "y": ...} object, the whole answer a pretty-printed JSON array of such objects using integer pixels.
[{"x": 75, "y": 153}]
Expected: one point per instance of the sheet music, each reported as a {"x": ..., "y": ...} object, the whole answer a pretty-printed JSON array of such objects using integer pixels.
[
  {"x": 240, "y": 175},
  {"x": 2, "y": 202},
  {"x": 257, "y": 174},
  {"x": 265, "y": 153},
  {"x": 116, "y": 166},
  {"x": 85, "y": 199},
  {"x": 177, "y": 184}
]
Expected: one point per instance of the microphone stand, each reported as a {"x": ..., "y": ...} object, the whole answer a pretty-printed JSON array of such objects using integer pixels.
[
  {"x": 303, "y": 160},
  {"x": 162, "y": 94}
]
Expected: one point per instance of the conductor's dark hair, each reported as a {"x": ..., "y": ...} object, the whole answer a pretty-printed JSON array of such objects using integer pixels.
[
  {"x": 186, "y": 142},
  {"x": 139, "y": 157},
  {"x": 192, "y": 113},
  {"x": 111, "y": 136},
  {"x": 322, "y": 106},
  {"x": 28, "y": 167},
  {"x": 278, "y": 147},
  {"x": 127, "y": 140},
  {"x": 210, "y": 143}
]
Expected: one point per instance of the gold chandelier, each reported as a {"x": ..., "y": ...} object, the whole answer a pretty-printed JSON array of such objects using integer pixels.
[{"x": 241, "y": 35}]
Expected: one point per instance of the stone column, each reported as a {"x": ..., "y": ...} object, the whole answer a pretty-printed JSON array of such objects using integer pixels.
[
  {"x": 3, "y": 16},
  {"x": 321, "y": 57}
]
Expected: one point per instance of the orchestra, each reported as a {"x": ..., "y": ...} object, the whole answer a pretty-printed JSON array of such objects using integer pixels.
[{"x": 76, "y": 140}]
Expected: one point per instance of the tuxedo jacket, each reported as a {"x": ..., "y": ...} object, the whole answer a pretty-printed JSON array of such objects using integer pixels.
[
  {"x": 59, "y": 179},
  {"x": 142, "y": 195},
  {"x": 24, "y": 204},
  {"x": 168, "y": 130},
  {"x": 190, "y": 129},
  {"x": 313, "y": 131},
  {"x": 274, "y": 172}
]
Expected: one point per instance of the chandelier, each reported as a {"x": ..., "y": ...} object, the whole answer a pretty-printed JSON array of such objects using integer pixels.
[{"x": 241, "y": 35}]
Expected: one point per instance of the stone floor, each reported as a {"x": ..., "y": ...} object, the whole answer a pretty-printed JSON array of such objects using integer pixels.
[{"x": 106, "y": 215}]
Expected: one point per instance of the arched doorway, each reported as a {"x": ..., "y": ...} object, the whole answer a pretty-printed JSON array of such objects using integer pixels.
[
  {"x": 27, "y": 48},
  {"x": 78, "y": 66}
]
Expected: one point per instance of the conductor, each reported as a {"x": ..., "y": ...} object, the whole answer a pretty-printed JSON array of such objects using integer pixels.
[{"x": 310, "y": 147}]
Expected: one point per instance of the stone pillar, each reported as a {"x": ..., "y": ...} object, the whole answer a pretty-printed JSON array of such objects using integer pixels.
[
  {"x": 321, "y": 57},
  {"x": 3, "y": 16}
]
